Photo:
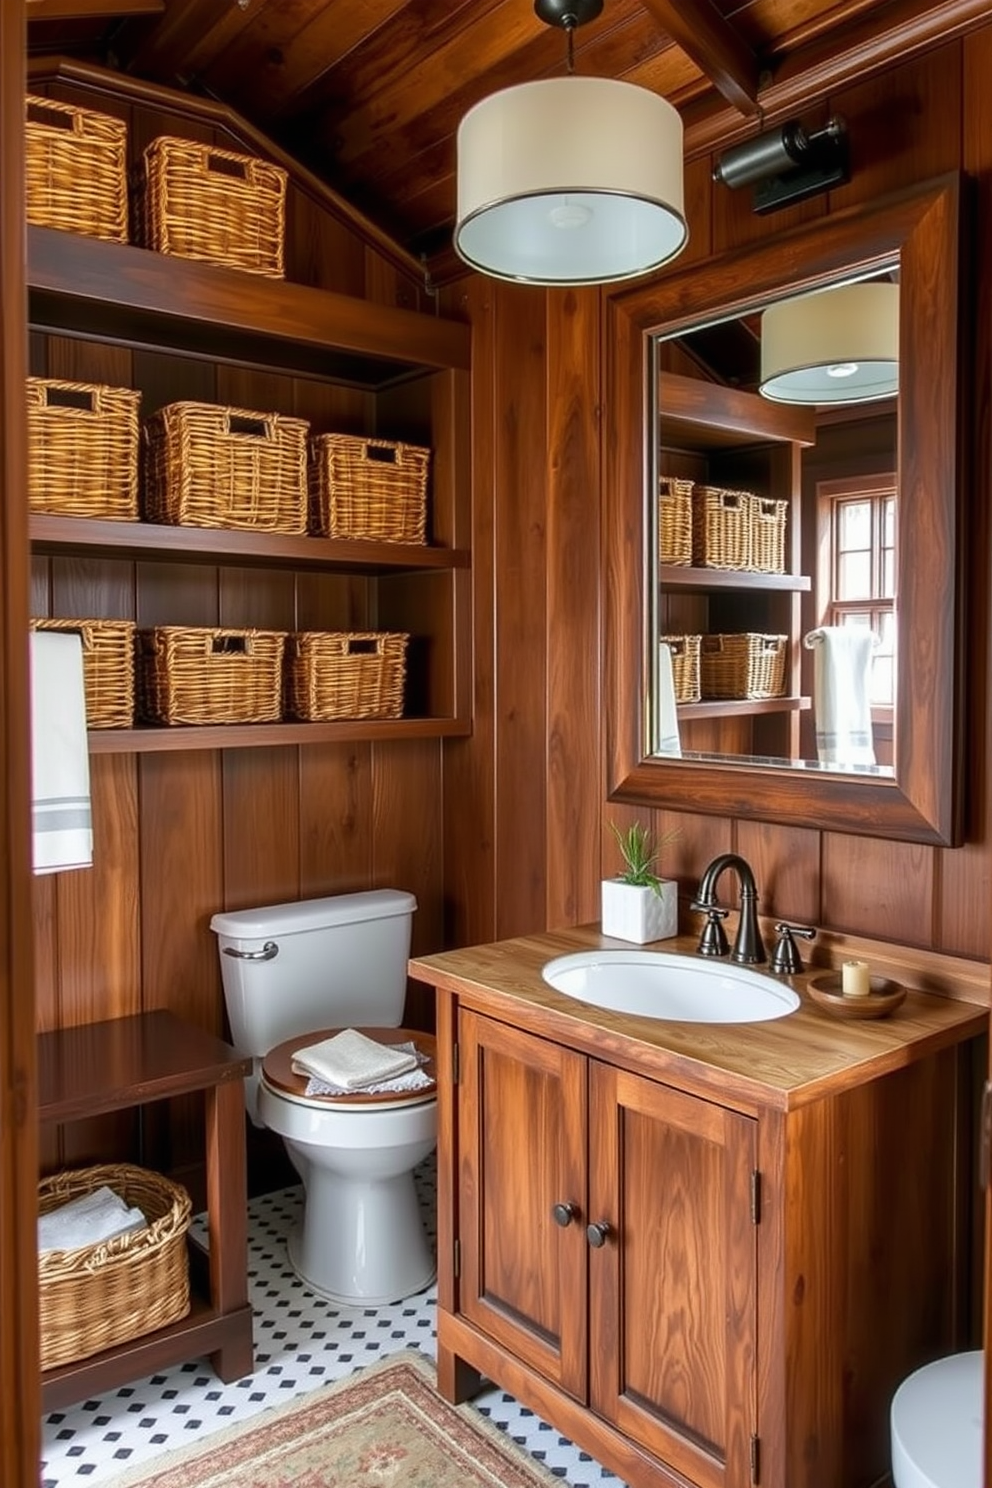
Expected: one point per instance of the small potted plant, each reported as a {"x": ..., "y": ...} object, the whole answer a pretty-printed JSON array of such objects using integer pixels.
[{"x": 638, "y": 905}]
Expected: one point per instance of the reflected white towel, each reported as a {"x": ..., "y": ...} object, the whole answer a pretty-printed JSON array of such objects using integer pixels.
[
  {"x": 93, "y": 1217},
  {"x": 841, "y": 705},
  {"x": 669, "y": 740},
  {"x": 61, "y": 817},
  {"x": 351, "y": 1061}
]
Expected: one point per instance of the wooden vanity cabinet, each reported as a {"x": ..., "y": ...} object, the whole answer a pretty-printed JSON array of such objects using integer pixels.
[{"x": 770, "y": 1268}]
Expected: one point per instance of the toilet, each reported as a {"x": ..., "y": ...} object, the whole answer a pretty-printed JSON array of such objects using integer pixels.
[
  {"x": 293, "y": 975},
  {"x": 936, "y": 1425}
]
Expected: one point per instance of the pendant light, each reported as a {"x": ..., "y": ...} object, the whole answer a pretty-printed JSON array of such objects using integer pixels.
[
  {"x": 572, "y": 180},
  {"x": 837, "y": 345}
]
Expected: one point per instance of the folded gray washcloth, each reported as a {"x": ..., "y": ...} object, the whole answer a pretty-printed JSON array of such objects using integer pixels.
[
  {"x": 100, "y": 1215},
  {"x": 351, "y": 1061}
]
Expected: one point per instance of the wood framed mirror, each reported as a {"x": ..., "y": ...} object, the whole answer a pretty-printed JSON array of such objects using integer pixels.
[{"x": 916, "y": 237}]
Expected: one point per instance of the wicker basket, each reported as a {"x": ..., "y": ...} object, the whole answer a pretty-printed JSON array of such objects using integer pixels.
[
  {"x": 200, "y": 675},
  {"x": 685, "y": 665},
  {"x": 346, "y": 674},
  {"x": 210, "y": 466},
  {"x": 82, "y": 449},
  {"x": 108, "y": 668},
  {"x": 675, "y": 521},
  {"x": 75, "y": 169},
  {"x": 101, "y": 1295},
  {"x": 368, "y": 490},
  {"x": 213, "y": 205},
  {"x": 721, "y": 528},
  {"x": 768, "y": 534},
  {"x": 745, "y": 666}
]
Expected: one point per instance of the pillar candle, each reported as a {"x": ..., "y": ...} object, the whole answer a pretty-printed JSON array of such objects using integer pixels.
[{"x": 855, "y": 981}]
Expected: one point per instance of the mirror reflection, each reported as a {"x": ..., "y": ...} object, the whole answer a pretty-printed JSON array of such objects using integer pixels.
[{"x": 773, "y": 534}]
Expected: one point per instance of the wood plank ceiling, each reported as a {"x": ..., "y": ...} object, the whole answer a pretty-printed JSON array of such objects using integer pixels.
[{"x": 369, "y": 93}]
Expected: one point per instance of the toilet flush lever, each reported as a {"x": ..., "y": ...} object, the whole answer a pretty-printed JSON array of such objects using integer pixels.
[{"x": 267, "y": 953}]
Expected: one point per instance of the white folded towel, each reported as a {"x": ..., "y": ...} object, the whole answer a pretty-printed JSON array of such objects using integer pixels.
[
  {"x": 415, "y": 1079},
  {"x": 841, "y": 697},
  {"x": 351, "y": 1061},
  {"x": 669, "y": 741},
  {"x": 61, "y": 820},
  {"x": 100, "y": 1215}
]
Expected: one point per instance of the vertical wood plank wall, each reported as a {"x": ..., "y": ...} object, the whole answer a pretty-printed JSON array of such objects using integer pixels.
[{"x": 532, "y": 843}]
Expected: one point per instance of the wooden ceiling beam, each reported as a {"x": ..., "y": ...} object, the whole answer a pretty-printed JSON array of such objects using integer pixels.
[
  {"x": 76, "y": 10},
  {"x": 715, "y": 47}
]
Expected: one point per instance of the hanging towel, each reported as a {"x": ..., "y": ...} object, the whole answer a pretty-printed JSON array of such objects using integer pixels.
[
  {"x": 61, "y": 819},
  {"x": 841, "y": 707},
  {"x": 669, "y": 740},
  {"x": 96, "y": 1216},
  {"x": 351, "y": 1061}
]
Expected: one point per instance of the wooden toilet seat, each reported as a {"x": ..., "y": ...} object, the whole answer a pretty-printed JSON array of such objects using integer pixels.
[{"x": 278, "y": 1072}]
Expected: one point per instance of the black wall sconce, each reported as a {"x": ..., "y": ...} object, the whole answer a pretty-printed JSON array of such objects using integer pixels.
[{"x": 787, "y": 164}]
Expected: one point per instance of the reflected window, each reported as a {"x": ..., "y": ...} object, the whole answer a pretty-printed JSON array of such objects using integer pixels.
[{"x": 858, "y": 527}]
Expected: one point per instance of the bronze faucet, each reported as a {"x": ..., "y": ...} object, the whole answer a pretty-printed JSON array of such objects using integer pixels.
[{"x": 748, "y": 948}]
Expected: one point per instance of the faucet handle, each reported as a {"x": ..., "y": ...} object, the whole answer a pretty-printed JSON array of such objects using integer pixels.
[
  {"x": 786, "y": 959},
  {"x": 713, "y": 941}
]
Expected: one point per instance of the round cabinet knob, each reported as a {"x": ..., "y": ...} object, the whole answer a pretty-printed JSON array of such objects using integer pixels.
[
  {"x": 597, "y": 1234},
  {"x": 563, "y": 1214}
]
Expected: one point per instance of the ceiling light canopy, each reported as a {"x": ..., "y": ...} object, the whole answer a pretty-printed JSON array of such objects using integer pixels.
[
  {"x": 837, "y": 345},
  {"x": 570, "y": 180}
]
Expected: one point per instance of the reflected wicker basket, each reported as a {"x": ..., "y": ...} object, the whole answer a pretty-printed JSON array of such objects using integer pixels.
[
  {"x": 685, "y": 665},
  {"x": 721, "y": 528},
  {"x": 745, "y": 666},
  {"x": 675, "y": 521},
  {"x": 97, "y": 1296},
  {"x": 214, "y": 205},
  {"x": 82, "y": 449},
  {"x": 75, "y": 169},
  {"x": 346, "y": 674},
  {"x": 108, "y": 668},
  {"x": 200, "y": 675},
  {"x": 768, "y": 519},
  {"x": 368, "y": 490}
]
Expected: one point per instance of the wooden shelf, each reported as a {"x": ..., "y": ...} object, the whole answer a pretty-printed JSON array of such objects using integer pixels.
[
  {"x": 152, "y": 740},
  {"x": 706, "y": 415},
  {"x": 740, "y": 707},
  {"x": 706, "y": 579},
  {"x": 147, "y": 540},
  {"x": 132, "y": 296}
]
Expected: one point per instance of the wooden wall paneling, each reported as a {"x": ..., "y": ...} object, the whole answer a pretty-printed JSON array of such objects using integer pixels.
[
  {"x": 331, "y": 601},
  {"x": 320, "y": 250},
  {"x": 521, "y": 515},
  {"x": 162, "y": 377},
  {"x": 257, "y": 597},
  {"x": 573, "y": 631},
  {"x": 330, "y": 409},
  {"x": 470, "y": 870},
  {"x": 176, "y": 594},
  {"x": 385, "y": 285},
  {"x": 335, "y": 826},
  {"x": 261, "y": 812},
  {"x": 879, "y": 888},
  {"x": 88, "y": 361},
  {"x": 423, "y": 606},
  {"x": 786, "y": 864}
]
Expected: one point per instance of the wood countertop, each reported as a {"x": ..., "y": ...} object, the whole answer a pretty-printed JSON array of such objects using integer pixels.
[{"x": 785, "y": 1063}]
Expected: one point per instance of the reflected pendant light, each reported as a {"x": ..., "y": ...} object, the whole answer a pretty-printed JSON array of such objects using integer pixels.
[
  {"x": 837, "y": 345},
  {"x": 572, "y": 180}
]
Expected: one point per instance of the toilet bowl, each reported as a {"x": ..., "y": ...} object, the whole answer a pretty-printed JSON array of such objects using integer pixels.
[
  {"x": 936, "y": 1425},
  {"x": 294, "y": 974}
]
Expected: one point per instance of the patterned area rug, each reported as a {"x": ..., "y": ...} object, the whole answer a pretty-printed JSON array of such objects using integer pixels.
[{"x": 383, "y": 1427}]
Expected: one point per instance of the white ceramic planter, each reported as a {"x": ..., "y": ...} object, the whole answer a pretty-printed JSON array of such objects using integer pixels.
[{"x": 639, "y": 914}]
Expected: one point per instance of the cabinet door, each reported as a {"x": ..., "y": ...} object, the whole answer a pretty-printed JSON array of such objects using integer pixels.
[
  {"x": 522, "y": 1124},
  {"x": 672, "y": 1289}
]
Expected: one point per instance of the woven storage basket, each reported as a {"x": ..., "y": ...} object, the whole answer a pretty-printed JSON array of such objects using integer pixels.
[
  {"x": 721, "y": 527},
  {"x": 345, "y": 674},
  {"x": 75, "y": 169},
  {"x": 100, "y": 1295},
  {"x": 674, "y": 521},
  {"x": 210, "y": 466},
  {"x": 200, "y": 675},
  {"x": 371, "y": 490},
  {"x": 213, "y": 205},
  {"x": 768, "y": 534},
  {"x": 685, "y": 665},
  {"x": 82, "y": 449},
  {"x": 745, "y": 666},
  {"x": 108, "y": 668}
]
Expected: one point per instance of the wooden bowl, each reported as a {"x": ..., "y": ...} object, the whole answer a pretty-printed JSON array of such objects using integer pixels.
[{"x": 883, "y": 998}]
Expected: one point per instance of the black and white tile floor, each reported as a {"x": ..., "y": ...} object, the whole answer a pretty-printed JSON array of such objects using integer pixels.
[{"x": 301, "y": 1343}]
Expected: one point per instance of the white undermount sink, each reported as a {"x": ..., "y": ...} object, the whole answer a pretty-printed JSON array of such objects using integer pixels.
[{"x": 659, "y": 984}]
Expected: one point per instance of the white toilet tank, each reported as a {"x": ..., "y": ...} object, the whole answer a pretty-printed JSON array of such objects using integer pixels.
[{"x": 317, "y": 963}]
